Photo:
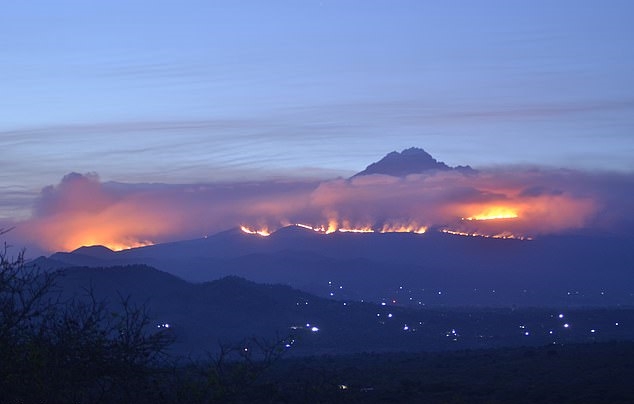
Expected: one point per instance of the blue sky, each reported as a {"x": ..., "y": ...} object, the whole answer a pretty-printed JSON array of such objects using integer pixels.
[{"x": 194, "y": 91}]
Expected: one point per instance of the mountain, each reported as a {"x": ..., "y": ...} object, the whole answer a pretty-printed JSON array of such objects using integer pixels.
[
  {"x": 95, "y": 251},
  {"x": 409, "y": 161},
  {"x": 433, "y": 268}
]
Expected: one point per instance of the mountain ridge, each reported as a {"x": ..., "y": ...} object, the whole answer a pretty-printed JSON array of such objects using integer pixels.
[
  {"x": 409, "y": 161},
  {"x": 370, "y": 264},
  {"x": 230, "y": 309}
]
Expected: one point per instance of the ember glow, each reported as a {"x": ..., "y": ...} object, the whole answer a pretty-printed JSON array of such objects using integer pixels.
[
  {"x": 408, "y": 228},
  {"x": 116, "y": 246},
  {"x": 87, "y": 231},
  {"x": 504, "y": 235},
  {"x": 494, "y": 212},
  {"x": 305, "y": 226},
  {"x": 76, "y": 234},
  {"x": 332, "y": 228},
  {"x": 261, "y": 232},
  {"x": 389, "y": 229},
  {"x": 360, "y": 230}
]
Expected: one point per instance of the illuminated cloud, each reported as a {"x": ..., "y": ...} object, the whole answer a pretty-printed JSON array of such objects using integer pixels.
[{"x": 82, "y": 210}]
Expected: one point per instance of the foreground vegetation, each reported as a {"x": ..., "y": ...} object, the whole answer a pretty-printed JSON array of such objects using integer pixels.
[
  {"x": 77, "y": 350},
  {"x": 81, "y": 350},
  {"x": 583, "y": 373}
]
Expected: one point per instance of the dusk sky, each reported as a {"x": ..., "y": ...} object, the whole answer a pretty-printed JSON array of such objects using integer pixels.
[{"x": 226, "y": 91}]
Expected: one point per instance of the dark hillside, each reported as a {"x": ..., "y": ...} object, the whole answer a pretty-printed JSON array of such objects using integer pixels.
[{"x": 230, "y": 309}]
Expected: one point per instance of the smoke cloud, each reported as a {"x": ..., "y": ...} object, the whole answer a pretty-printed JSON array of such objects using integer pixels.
[{"x": 82, "y": 210}]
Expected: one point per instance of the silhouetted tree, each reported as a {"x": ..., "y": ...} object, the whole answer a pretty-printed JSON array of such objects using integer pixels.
[
  {"x": 72, "y": 351},
  {"x": 25, "y": 306}
]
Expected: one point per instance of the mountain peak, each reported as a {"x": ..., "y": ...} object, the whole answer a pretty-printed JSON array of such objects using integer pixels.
[
  {"x": 97, "y": 251},
  {"x": 410, "y": 161}
]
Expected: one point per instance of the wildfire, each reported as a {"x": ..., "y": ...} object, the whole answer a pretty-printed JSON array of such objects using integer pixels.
[
  {"x": 262, "y": 232},
  {"x": 126, "y": 246},
  {"x": 346, "y": 227},
  {"x": 332, "y": 226},
  {"x": 361, "y": 230},
  {"x": 86, "y": 241},
  {"x": 410, "y": 228},
  {"x": 108, "y": 236},
  {"x": 504, "y": 235},
  {"x": 493, "y": 213},
  {"x": 387, "y": 228},
  {"x": 318, "y": 229}
]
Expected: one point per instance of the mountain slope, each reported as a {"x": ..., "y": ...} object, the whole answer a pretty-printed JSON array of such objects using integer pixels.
[
  {"x": 550, "y": 270},
  {"x": 231, "y": 309},
  {"x": 409, "y": 161}
]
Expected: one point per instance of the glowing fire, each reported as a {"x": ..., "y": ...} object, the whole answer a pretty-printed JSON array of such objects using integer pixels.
[
  {"x": 82, "y": 210},
  {"x": 346, "y": 227},
  {"x": 75, "y": 232},
  {"x": 504, "y": 235},
  {"x": 494, "y": 212},
  {"x": 509, "y": 217},
  {"x": 387, "y": 228},
  {"x": 124, "y": 246},
  {"x": 409, "y": 228},
  {"x": 361, "y": 230},
  {"x": 83, "y": 240},
  {"x": 332, "y": 226},
  {"x": 262, "y": 232}
]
